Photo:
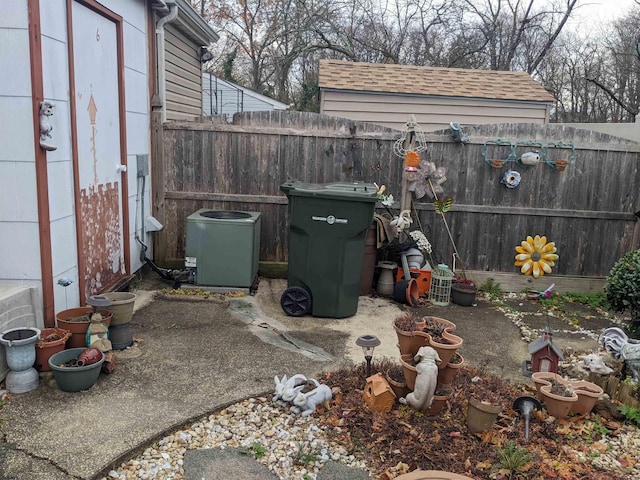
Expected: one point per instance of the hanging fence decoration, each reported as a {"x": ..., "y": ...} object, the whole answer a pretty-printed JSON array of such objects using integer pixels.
[
  {"x": 511, "y": 179},
  {"x": 537, "y": 153},
  {"x": 536, "y": 256},
  {"x": 413, "y": 138}
]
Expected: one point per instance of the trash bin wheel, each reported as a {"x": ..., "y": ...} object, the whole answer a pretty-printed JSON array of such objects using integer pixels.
[{"x": 296, "y": 301}]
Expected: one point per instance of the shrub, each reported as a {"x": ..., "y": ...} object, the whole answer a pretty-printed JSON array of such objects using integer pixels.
[{"x": 623, "y": 288}]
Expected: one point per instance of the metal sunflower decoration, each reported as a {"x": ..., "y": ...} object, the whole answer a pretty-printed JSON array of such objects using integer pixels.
[{"x": 536, "y": 256}]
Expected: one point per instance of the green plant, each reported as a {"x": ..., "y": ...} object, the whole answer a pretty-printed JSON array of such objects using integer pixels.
[
  {"x": 305, "y": 455},
  {"x": 631, "y": 413},
  {"x": 256, "y": 450},
  {"x": 512, "y": 457},
  {"x": 491, "y": 288},
  {"x": 623, "y": 288},
  {"x": 595, "y": 426}
]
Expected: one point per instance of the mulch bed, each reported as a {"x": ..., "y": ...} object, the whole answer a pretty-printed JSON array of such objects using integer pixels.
[{"x": 387, "y": 441}]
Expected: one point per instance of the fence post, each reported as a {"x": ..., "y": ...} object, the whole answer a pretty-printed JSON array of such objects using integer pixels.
[{"x": 157, "y": 184}]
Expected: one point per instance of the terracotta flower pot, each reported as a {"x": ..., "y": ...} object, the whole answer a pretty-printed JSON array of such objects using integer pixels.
[
  {"x": 481, "y": 415},
  {"x": 446, "y": 351},
  {"x": 442, "y": 394},
  {"x": 408, "y": 341},
  {"x": 588, "y": 394},
  {"x": 52, "y": 340},
  {"x": 121, "y": 307},
  {"x": 399, "y": 388},
  {"x": 78, "y": 329},
  {"x": 557, "y": 406},
  {"x": 410, "y": 372},
  {"x": 448, "y": 373},
  {"x": 545, "y": 378}
]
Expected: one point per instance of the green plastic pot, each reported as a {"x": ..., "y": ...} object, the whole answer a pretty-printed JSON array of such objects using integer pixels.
[{"x": 74, "y": 379}]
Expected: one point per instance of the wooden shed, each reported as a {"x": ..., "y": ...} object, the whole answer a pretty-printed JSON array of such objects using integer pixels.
[
  {"x": 385, "y": 94},
  {"x": 70, "y": 199}
]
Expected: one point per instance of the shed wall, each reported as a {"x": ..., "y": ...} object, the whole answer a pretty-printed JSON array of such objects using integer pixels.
[
  {"x": 19, "y": 227},
  {"x": 19, "y": 230},
  {"x": 432, "y": 113}
]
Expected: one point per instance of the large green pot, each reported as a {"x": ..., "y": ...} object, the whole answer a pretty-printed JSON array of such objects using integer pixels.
[{"x": 74, "y": 379}]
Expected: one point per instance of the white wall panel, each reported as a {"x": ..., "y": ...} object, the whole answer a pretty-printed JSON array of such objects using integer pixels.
[
  {"x": 138, "y": 131},
  {"x": 132, "y": 11},
  {"x": 61, "y": 200},
  {"x": 66, "y": 297},
  {"x": 53, "y": 19},
  {"x": 135, "y": 49},
  {"x": 137, "y": 87},
  {"x": 19, "y": 251},
  {"x": 63, "y": 245},
  {"x": 15, "y": 71},
  {"x": 55, "y": 69},
  {"x": 16, "y": 135},
  {"x": 18, "y": 201},
  {"x": 15, "y": 14}
]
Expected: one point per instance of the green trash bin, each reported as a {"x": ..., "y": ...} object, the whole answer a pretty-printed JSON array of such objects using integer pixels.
[{"x": 328, "y": 224}]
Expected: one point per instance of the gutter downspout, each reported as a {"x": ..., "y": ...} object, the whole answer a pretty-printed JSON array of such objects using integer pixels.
[{"x": 173, "y": 13}]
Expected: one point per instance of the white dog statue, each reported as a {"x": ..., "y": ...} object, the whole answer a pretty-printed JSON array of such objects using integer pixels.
[{"x": 426, "y": 381}]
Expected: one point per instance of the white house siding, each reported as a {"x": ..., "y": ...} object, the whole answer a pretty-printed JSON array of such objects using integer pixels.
[
  {"x": 183, "y": 76},
  {"x": 431, "y": 112},
  {"x": 19, "y": 232},
  {"x": 19, "y": 229},
  {"x": 222, "y": 97}
]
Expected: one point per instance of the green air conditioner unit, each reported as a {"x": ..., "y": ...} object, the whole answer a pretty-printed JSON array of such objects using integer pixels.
[{"x": 224, "y": 247}]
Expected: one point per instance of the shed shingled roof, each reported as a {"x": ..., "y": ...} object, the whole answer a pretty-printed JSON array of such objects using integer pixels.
[{"x": 450, "y": 82}]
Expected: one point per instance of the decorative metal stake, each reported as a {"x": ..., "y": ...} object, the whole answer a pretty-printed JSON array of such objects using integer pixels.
[{"x": 525, "y": 405}]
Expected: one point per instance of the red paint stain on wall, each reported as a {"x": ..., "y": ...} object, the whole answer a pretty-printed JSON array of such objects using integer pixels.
[{"x": 100, "y": 234}]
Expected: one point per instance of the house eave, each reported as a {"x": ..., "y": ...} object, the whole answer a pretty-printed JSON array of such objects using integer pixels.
[
  {"x": 446, "y": 97},
  {"x": 192, "y": 24}
]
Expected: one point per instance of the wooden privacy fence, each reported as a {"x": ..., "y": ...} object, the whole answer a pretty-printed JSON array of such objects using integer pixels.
[{"x": 587, "y": 210}]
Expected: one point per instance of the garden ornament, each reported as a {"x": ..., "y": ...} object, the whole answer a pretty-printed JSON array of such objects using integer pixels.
[
  {"x": 544, "y": 294},
  {"x": 305, "y": 403},
  {"x": 536, "y": 256},
  {"x": 286, "y": 384},
  {"x": 291, "y": 391},
  {"x": 98, "y": 334},
  {"x": 622, "y": 347},
  {"x": 457, "y": 133},
  {"x": 595, "y": 364},
  {"x": 525, "y": 405},
  {"x": 402, "y": 221},
  {"x": 428, "y": 180},
  {"x": 511, "y": 179},
  {"x": 46, "y": 111},
  {"x": 530, "y": 158},
  {"x": 426, "y": 381}
]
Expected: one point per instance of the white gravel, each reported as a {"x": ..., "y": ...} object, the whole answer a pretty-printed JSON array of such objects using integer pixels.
[{"x": 291, "y": 446}]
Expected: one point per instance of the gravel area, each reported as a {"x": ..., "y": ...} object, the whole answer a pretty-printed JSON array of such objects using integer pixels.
[
  {"x": 295, "y": 447},
  {"x": 291, "y": 446}
]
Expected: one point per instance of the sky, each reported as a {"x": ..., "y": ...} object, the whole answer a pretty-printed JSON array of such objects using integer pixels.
[{"x": 593, "y": 12}]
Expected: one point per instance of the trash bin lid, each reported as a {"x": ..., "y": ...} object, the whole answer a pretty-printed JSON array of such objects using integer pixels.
[{"x": 359, "y": 191}]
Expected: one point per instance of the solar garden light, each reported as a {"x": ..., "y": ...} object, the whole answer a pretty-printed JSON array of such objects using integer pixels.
[{"x": 368, "y": 344}]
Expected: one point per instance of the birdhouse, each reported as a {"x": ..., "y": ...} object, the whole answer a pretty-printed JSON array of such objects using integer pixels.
[
  {"x": 378, "y": 394},
  {"x": 545, "y": 355}
]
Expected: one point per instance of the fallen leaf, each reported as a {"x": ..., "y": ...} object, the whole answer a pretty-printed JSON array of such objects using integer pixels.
[{"x": 483, "y": 465}]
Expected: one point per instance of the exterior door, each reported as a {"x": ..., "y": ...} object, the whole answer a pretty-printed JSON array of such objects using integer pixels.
[{"x": 100, "y": 153}]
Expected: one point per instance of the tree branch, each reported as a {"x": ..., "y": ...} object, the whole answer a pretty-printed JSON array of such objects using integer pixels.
[{"x": 612, "y": 95}]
